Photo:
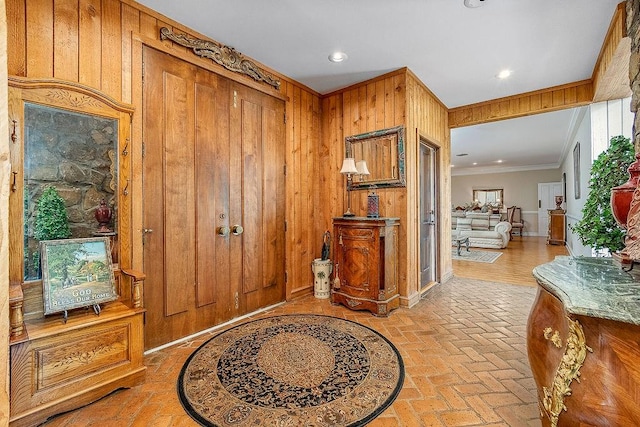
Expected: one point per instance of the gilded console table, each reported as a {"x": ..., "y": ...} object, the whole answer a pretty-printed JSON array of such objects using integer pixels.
[{"x": 583, "y": 342}]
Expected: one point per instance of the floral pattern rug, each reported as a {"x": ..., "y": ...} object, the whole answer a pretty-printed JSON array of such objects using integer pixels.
[{"x": 292, "y": 370}]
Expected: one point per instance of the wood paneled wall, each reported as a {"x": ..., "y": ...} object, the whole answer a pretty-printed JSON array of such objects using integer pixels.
[
  {"x": 304, "y": 191},
  {"x": 365, "y": 107},
  {"x": 540, "y": 101},
  {"x": 611, "y": 72},
  {"x": 396, "y": 98},
  {"x": 427, "y": 120},
  {"x": 98, "y": 43}
]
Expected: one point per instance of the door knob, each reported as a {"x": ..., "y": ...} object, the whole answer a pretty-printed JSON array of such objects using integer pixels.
[
  {"x": 223, "y": 231},
  {"x": 148, "y": 230},
  {"x": 237, "y": 230}
]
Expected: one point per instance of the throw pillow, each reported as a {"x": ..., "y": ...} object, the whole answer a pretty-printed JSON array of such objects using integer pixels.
[
  {"x": 463, "y": 224},
  {"x": 480, "y": 224}
]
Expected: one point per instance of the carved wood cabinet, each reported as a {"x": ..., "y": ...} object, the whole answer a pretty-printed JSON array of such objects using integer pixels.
[
  {"x": 583, "y": 342},
  {"x": 556, "y": 235},
  {"x": 366, "y": 260},
  {"x": 61, "y": 366},
  {"x": 57, "y": 365}
]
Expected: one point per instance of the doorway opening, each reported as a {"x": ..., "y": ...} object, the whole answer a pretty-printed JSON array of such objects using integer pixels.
[{"x": 429, "y": 213}]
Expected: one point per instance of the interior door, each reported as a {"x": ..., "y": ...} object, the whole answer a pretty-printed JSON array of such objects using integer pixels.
[
  {"x": 213, "y": 172},
  {"x": 257, "y": 132},
  {"x": 547, "y": 191},
  {"x": 428, "y": 217}
]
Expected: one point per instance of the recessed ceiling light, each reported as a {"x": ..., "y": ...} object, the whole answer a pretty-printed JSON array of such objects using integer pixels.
[
  {"x": 473, "y": 3},
  {"x": 504, "y": 74},
  {"x": 499, "y": 161},
  {"x": 475, "y": 163},
  {"x": 338, "y": 57}
]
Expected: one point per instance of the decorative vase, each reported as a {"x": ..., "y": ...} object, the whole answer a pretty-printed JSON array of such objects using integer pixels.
[
  {"x": 559, "y": 200},
  {"x": 373, "y": 204},
  {"x": 621, "y": 195},
  {"x": 321, "y": 276},
  {"x": 103, "y": 216}
]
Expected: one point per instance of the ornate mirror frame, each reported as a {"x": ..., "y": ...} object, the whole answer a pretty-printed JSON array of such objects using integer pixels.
[
  {"x": 383, "y": 150},
  {"x": 493, "y": 196},
  {"x": 74, "y": 98}
]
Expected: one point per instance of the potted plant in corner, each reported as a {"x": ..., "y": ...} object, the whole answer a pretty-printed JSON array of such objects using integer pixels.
[
  {"x": 51, "y": 216},
  {"x": 598, "y": 227}
]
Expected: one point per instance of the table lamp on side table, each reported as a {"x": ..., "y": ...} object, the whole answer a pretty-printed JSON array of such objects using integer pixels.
[{"x": 349, "y": 169}]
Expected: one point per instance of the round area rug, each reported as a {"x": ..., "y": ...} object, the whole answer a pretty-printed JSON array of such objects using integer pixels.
[{"x": 294, "y": 370}]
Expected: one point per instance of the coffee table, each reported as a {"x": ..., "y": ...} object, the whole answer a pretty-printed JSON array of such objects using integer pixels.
[{"x": 461, "y": 241}]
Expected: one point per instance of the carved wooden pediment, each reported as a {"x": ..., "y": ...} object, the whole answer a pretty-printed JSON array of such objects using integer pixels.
[{"x": 223, "y": 55}]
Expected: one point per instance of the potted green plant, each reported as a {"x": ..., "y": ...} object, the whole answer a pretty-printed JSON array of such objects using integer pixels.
[
  {"x": 598, "y": 227},
  {"x": 51, "y": 216}
]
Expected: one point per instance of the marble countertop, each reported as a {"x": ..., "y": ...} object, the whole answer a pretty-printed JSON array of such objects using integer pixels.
[{"x": 595, "y": 287}]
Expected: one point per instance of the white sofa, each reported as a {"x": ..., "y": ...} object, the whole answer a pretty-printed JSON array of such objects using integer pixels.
[{"x": 484, "y": 230}]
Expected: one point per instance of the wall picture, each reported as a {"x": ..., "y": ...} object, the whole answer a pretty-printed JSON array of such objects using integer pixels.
[{"x": 76, "y": 273}]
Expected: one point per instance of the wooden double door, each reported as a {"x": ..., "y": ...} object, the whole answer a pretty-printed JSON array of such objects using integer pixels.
[{"x": 213, "y": 207}]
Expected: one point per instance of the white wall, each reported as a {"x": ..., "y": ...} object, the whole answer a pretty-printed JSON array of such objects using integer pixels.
[
  {"x": 573, "y": 206},
  {"x": 602, "y": 121},
  {"x": 609, "y": 119},
  {"x": 520, "y": 189},
  {"x": 593, "y": 129}
]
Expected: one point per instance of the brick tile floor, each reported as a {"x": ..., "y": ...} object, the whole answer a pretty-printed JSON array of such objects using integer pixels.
[{"x": 463, "y": 347}]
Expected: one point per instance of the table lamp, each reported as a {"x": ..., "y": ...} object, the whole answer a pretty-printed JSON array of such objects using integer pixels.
[
  {"x": 361, "y": 167},
  {"x": 349, "y": 169}
]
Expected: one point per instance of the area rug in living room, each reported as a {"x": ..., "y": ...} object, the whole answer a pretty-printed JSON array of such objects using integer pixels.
[
  {"x": 474, "y": 255},
  {"x": 292, "y": 370}
]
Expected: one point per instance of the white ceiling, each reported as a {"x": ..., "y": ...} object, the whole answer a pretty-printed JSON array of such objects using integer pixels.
[
  {"x": 528, "y": 143},
  {"x": 455, "y": 51}
]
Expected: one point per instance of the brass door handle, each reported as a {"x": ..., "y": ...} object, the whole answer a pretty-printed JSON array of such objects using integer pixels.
[
  {"x": 223, "y": 231},
  {"x": 237, "y": 230},
  {"x": 148, "y": 230}
]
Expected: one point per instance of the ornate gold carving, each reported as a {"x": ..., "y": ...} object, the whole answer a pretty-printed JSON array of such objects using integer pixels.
[
  {"x": 353, "y": 303},
  {"x": 632, "y": 239},
  {"x": 568, "y": 370},
  {"x": 553, "y": 337},
  {"x": 223, "y": 55}
]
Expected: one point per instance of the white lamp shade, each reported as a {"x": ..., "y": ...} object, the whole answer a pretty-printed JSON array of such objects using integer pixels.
[
  {"x": 361, "y": 166},
  {"x": 349, "y": 166}
]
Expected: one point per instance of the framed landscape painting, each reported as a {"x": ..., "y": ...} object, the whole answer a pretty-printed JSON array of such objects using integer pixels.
[{"x": 76, "y": 273}]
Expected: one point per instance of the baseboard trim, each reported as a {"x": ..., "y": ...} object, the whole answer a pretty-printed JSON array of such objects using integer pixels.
[
  {"x": 213, "y": 328},
  {"x": 446, "y": 276},
  {"x": 410, "y": 301},
  {"x": 301, "y": 292},
  {"x": 428, "y": 289}
]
